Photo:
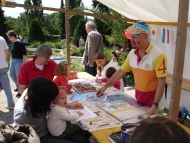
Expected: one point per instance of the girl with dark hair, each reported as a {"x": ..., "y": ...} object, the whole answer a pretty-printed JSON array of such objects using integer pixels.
[
  {"x": 103, "y": 64},
  {"x": 18, "y": 56},
  {"x": 33, "y": 106}
]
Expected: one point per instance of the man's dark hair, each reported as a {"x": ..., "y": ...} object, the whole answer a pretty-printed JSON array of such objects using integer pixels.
[
  {"x": 40, "y": 94},
  {"x": 160, "y": 130},
  {"x": 110, "y": 71}
]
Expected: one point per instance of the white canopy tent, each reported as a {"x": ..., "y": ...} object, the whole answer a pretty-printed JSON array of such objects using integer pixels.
[{"x": 146, "y": 10}]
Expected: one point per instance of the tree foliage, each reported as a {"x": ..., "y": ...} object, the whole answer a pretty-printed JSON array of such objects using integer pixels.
[
  {"x": 35, "y": 32},
  {"x": 79, "y": 31},
  {"x": 62, "y": 21},
  {"x": 50, "y": 25},
  {"x": 31, "y": 14},
  {"x": 102, "y": 27},
  {"x": 75, "y": 18},
  {"x": 3, "y": 25}
]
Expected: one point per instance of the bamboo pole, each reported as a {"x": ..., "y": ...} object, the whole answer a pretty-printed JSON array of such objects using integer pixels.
[
  {"x": 67, "y": 30},
  {"x": 14, "y": 4},
  {"x": 3, "y": 2},
  {"x": 179, "y": 59}
]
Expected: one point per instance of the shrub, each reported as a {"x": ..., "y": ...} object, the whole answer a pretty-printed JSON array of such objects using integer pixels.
[
  {"x": 76, "y": 65},
  {"x": 79, "y": 31},
  {"x": 128, "y": 79},
  {"x": 35, "y": 32}
]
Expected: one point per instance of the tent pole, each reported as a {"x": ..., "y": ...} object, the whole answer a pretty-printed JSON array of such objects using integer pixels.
[
  {"x": 67, "y": 30},
  {"x": 179, "y": 59}
]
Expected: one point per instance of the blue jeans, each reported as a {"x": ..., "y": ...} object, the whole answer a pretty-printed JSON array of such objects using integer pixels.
[
  {"x": 15, "y": 65},
  {"x": 75, "y": 138},
  {"x": 6, "y": 86}
]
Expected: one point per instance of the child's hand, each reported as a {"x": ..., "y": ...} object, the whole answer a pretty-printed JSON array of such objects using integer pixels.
[
  {"x": 98, "y": 81},
  {"x": 79, "y": 113}
]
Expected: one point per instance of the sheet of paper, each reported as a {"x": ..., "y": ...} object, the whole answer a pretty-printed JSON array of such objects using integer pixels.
[
  {"x": 91, "y": 96},
  {"x": 87, "y": 113}
]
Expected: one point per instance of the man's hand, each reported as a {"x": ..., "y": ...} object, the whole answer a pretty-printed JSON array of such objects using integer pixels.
[
  {"x": 75, "y": 105},
  {"x": 100, "y": 92},
  {"x": 152, "y": 110}
]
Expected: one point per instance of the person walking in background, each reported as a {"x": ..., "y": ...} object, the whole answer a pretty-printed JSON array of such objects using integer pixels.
[
  {"x": 149, "y": 66},
  {"x": 25, "y": 41},
  {"x": 18, "y": 56},
  {"x": 114, "y": 56},
  {"x": 93, "y": 45},
  {"x": 40, "y": 65},
  {"x": 4, "y": 51},
  {"x": 81, "y": 42}
]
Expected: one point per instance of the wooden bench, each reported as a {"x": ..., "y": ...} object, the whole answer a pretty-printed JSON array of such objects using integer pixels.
[{"x": 185, "y": 82}]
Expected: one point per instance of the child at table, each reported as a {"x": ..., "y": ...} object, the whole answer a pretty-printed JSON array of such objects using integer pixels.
[
  {"x": 109, "y": 73},
  {"x": 58, "y": 121},
  {"x": 62, "y": 72}
]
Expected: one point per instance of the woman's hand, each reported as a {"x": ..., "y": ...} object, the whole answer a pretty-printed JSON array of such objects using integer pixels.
[{"x": 75, "y": 105}]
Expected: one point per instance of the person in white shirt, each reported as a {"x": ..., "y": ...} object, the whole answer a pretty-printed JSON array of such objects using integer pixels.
[
  {"x": 58, "y": 121},
  {"x": 4, "y": 52}
]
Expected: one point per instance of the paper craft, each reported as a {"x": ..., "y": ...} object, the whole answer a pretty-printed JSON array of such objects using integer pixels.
[
  {"x": 83, "y": 87},
  {"x": 91, "y": 96},
  {"x": 121, "y": 110},
  {"x": 122, "y": 97},
  {"x": 87, "y": 113}
]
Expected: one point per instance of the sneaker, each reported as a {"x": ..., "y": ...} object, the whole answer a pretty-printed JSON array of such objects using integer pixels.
[
  {"x": 16, "y": 90},
  {"x": 10, "y": 108},
  {"x": 18, "y": 95}
]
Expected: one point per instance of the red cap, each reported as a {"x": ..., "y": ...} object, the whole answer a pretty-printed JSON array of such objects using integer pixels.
[{"x": 58, "y": 96}]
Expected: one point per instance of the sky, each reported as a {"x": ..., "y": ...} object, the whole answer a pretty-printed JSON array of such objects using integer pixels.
[{"x": 15, "y": 12}]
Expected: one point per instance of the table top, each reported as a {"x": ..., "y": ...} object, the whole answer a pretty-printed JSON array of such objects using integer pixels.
[{"x": 100, "y": 134}]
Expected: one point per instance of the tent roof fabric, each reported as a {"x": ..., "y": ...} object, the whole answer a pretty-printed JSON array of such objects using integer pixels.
[{"x": 146, "y": 10}]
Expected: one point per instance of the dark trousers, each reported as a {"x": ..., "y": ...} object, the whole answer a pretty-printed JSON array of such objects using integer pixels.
[
  {"x": 91, "y": 70},
  {"x": 70, "y": 130}
]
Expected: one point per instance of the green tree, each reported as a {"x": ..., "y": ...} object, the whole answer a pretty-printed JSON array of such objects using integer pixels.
[
  {"x": 35, "y": 32},
  {"x": 102, "y": 27},
  {"x": 31, "y": 14},
  {"x": 79, "y": 31},
  {"x": 62, "y": 21},
  {"x": 3, "y": 26},
  {"x": 50, "y": 26},
  {"x": 74, "y": 19}
]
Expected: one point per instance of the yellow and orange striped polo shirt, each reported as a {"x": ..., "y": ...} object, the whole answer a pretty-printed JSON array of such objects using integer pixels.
[{"x": 146, "y": 72}]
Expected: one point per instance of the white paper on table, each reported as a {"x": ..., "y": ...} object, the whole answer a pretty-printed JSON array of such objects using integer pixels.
[{"x": 87, "y": 113}]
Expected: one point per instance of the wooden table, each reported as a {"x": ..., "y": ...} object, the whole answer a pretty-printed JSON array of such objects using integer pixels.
[{"x": 101, "y": 136}]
